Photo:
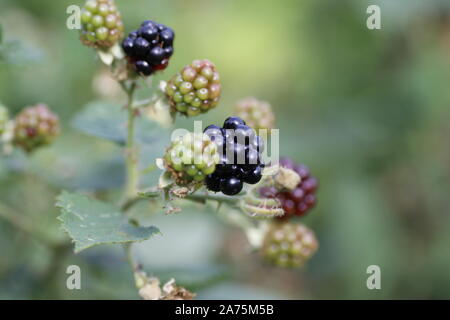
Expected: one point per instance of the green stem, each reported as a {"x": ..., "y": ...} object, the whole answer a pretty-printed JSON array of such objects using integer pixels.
[
  {"x": 192, "y": 197},
  {"x": 129, "y": 256},
  {"x": 132, "y": 171},
  {"x": 214, "y": 197},
  {"x": 131, "y": 152}
]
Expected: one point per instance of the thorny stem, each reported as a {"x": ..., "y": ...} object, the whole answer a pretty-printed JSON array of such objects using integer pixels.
[
  {"x": 131, "y": 152},
  {"x": 215, "y": 197},
  {"x": 192, "y": 197},
  {"x": 132, "y": 171}
]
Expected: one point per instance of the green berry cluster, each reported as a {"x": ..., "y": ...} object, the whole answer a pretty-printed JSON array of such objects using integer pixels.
[
  {"x": 256, "y": 113},
  {"x": 101, "y": 24},
  {"x": 4, "y": 117},
  {"x": 196, "y": 89},
  {"x": 34, "y": 127},
  {"x": 289, "y": 244},
  {"x": 191, "y": 158}
]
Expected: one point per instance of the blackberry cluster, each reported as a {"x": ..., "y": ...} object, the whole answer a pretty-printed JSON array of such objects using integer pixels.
[
  {"x": 258, "y": 114},
  {"x": 288, "y": 244},
  {"x": 149, "y": 48},
  {"x": 194, "y": 90},
  {"x": 101, "y": 23},
  {"x": 191, "y": 158},
  {"x": 34, "y": 127},
  {"x": 240, "y": 152},
  {"x": 302, "y": 198}
]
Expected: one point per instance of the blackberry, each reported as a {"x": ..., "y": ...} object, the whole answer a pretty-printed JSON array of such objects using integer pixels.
[
  {"x": 149, "y": 48},
  {"x": 288, "y": 244},
  {"x": 34, "y": 127},
  {"x": 191, "y": 158},
  {"x": 195, "y": 89},
  {"x": 240, "y": 156},
  {"x": 258, "y": 114},
  {"x": 300, "y": 200},
  {"x": 101, "y": 24},
  {"x": 4, "y": 117}
]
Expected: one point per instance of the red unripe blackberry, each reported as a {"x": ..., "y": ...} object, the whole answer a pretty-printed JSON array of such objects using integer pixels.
[
  {"x": 299, "y": 201},
  {"x": 195, "y": 89},
  {"x": 34, "y": 127},
  {"x": 101, "y": 24},
  {"x": 256, "y": 113}
]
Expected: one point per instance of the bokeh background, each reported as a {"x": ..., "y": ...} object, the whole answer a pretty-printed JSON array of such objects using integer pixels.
[{"x": 366, "y": 110}]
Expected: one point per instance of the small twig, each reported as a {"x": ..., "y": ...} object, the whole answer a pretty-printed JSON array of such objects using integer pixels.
[
  {"x": 214, "y": 197},
  {"x": 132, "y": 201},
  {"x": 131, "y": 154}
]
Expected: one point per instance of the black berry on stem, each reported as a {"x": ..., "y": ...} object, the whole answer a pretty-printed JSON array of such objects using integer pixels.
[
  {"x": 241, "y": 159},
  {"x": 149, "y": 48}
]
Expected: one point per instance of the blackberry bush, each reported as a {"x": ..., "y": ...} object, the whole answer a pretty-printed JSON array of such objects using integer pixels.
[
  {"x": 191, "y": 158},
  {"x": 101, "y": 24},
  {"x": 34, "y": 127},
  {"x": 149, "y": 48},
  {"x": 299, "y": 201},
  {"x": 256, "y": 113},
  {"x": 195, "y": 89},
  {"x": 240, "y": 149},
  {"x": 221, "y": 159},
  {"x": 289, "y": 245}
]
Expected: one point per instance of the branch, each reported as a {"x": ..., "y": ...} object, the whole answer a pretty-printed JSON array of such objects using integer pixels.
[{"x": 131, "y": 154}]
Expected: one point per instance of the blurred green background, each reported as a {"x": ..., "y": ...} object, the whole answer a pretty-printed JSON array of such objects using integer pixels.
[{"x": 366, "y": 110}]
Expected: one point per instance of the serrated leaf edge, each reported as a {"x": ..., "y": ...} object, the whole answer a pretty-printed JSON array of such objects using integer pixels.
[{"x": 78, "y": 248}]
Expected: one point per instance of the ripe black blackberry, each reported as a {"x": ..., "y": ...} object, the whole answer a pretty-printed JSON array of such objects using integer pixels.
[
  {"x": 149, "y": 48},
  {"x": 240, "y": 150},
  {"x": 300, "y": 200}
]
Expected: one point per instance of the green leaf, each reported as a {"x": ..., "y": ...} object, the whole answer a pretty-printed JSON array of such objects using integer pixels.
[
  {"x": 90, "y": 222},
  {"x": 108, "y": 120}
]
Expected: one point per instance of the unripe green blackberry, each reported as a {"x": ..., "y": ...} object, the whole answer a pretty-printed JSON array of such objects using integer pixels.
[
  {"x": 191, "y": 158},
  {"x": 101, "y": 24},
  {"x": 35, "y": 126},
  {"x": 289, "y": 244},
  {"x": 194, "y": 90},
  {"x": 256, "y": 113},
  {"x": 4, "y": 117}
]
